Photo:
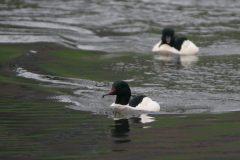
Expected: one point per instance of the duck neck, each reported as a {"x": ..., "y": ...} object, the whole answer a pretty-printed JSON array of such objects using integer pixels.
[{"x": 123, "y": 100}]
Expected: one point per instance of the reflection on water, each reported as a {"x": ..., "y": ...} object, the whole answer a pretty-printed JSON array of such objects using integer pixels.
[
  {"x": 176, "y": 60},
  {"x": 121, "y": 128},
  {"x": 120, "y": 131},
  {"x": 144, "y": 118},
  {"x": 188, "y": 61}
]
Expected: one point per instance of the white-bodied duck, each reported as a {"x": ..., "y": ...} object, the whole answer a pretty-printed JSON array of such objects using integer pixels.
[
  {"x": 122, "y": 91},
  {"x": 173, "y": 44}
]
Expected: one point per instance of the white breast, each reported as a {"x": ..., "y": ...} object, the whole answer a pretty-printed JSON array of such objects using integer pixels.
[
  {"x": 122, "y": 106},
  {"x": 164, "y": 48},
  {"x": 148, "y": 104},
  {"x": 187, "y": 48}
]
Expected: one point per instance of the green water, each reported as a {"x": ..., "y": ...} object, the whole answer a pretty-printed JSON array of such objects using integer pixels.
[{"x": 33, "y": 125}]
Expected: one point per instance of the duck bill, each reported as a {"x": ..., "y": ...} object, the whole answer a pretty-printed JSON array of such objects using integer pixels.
[
  {"x": 168, "y": 39},
  {"x": 112, "y": 92}
]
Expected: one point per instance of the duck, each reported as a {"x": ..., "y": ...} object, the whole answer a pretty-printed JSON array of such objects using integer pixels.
[
  {"x": 123, "y": 98},
  {"x": 174, "y": 44}
]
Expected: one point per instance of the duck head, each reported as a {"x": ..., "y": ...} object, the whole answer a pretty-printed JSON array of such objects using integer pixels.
[
  {"x": 168, "y": 36},
  {"x": 122, "y": 91}
]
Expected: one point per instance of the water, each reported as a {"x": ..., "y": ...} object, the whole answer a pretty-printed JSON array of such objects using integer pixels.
[
  {"x": 122, "y": 26},
  {"x": 196, "y": 93},
  {"x": 181, "y": 85}
]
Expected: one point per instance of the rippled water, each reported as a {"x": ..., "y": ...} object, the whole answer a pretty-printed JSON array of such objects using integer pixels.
[
  {"x": 205, "y": 83},
  {"x": 179, "y": 84},
  {"x": 121, "y": 26},
  {"x": 193, "y": 87},
  {"x": 196, "y": 83}
]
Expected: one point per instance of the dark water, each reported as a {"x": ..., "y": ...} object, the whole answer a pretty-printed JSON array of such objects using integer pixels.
[{"x": 184, "y": 85}]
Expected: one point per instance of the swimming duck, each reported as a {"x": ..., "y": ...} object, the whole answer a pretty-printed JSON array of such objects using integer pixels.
[
  {"x": 179, "y": 45},
  {"x": 122, "y": 90}
]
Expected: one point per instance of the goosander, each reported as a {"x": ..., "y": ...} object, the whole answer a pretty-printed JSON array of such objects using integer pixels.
[
  {"x": 122, "y": 90},
  {"x": 179, "y": 45}
]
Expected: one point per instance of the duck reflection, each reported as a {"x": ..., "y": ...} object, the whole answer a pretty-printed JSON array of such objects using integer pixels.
[
  {"x": 143, "y": 118},
  {"x": 176, "y": 60},
  {"x": 120, "y": 130},
  {"x": 121, "y": 127}
]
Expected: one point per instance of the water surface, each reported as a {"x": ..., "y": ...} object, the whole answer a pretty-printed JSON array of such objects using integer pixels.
[
  {"x": 122, "y": 26},
  {"x": 51, "y": 103}
]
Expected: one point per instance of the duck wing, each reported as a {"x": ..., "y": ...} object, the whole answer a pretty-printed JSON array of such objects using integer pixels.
[
  {"x": 136, "y": 100},
  {"x": 178, "y": 42}
]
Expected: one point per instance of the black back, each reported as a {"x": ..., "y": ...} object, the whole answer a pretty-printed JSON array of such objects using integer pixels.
[
  {"x": 136, "y": 100},
  {"x": 178, "y": 42}
]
